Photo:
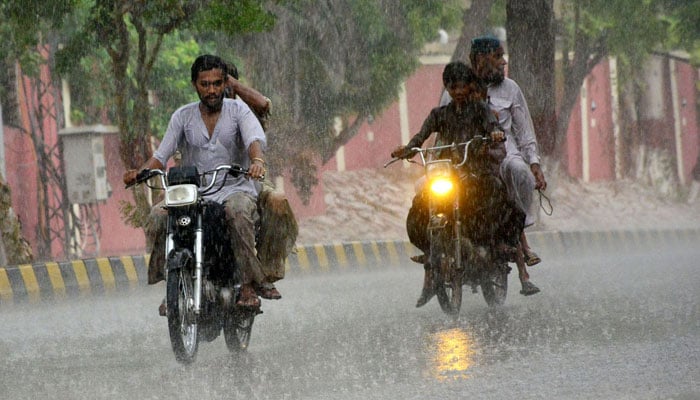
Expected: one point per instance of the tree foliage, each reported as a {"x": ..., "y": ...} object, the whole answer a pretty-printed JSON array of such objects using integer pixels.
[
  {"x": 331, "y": 60},
  {"x": 683, "y": 17}
]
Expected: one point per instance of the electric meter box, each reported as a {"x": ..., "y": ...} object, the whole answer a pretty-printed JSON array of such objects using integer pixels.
[{"x": 84, "y": 162}]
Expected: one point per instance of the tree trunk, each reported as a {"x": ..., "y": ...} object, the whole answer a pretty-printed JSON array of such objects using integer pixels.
[
  {"x": 530, "y": 27},
  {"x": 474, "y": 23}
]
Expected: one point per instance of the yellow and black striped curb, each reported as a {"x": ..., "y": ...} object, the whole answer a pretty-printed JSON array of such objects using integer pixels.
[{"x": 56, "y": 280}]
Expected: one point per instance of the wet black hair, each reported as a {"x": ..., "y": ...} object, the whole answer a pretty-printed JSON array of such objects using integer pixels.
[
  {"x": 484, "y": 45},
  {"x": 457, "y": 71},
  {"x": 232, "y": 70},
  {"x": 207, "y": 62}
]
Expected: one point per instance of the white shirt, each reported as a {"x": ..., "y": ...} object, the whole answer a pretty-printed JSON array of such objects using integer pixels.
[{"x": 236, "y": 128}]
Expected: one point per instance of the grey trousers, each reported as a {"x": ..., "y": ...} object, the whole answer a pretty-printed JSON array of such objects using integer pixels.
[{"x": 520, "y": 184}]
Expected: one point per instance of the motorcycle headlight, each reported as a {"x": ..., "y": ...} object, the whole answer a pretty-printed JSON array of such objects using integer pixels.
[
  {"x": 440, "y": 177},
  {"x": 441, "y": 186},
  {"x": 181, "y": 195}
]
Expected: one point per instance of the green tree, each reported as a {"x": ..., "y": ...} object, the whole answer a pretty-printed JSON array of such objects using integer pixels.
[
  {"x": 334, "y": 59},
  {"x": 684, "y": 19}
]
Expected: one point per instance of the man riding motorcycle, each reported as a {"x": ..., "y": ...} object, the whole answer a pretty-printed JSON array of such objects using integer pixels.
[
  {"x": 465, "y": 117},
  {"x": 208, "y": 133}
]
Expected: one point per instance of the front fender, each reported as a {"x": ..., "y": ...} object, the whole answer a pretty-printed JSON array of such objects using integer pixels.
[{"x": 178, "y": 258}]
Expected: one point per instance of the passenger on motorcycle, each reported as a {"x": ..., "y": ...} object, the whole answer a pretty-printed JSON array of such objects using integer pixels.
[
  {"x": 207, "y": 133},
  {"x": 467, "y": 116},
  {"x": 278, "y": 225},
  {"x": 521, "y": 170}
]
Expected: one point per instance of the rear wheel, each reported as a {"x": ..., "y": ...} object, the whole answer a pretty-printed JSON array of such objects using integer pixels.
[
  {"x": 237, "y": 330},
  {"x": 494, "y": 287},
  {"x": 182, "y": 323}
]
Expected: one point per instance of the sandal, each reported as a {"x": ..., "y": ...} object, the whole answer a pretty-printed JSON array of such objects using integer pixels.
[
  {"x": 529, "y": 289},
  {"x": 163, "y": 309},
  {"x": 420, "y": 259},
  {"x": 248, "y": 298},
  {"x": 531, "y": 258},
  {"x": 269, "y": 291}
]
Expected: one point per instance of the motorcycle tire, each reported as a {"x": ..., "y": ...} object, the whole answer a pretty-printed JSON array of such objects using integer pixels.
[
  {"x": 495, "y": 286},
  {"x": 182, "y": 324},
  {"x": 447, "y": 283},
  {"x": 238, "y": 327}
]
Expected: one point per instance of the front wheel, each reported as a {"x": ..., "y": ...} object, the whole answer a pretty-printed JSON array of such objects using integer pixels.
[
  {"x": 237, "y": 330},
  {"x": 449, "y": 292},
  {"x": 447, "y": 282},
  {"x": 182, "y": 323},
  {"x": 494, "y": 287}
]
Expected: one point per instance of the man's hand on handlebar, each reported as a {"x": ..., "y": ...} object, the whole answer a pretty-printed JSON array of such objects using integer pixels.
[
  {"x": 257, "y": 169},
  {"x": 130, "y": 176},
  {"x": 498, "y": 136},
  {"x": 402, "y": 152}
]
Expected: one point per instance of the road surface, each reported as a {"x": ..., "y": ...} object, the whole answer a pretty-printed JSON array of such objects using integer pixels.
[{"x": 623, "y": 325}]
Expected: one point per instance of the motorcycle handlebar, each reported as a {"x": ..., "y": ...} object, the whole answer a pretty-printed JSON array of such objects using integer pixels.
[
  {"x": 146, "y": 174},
  {"x": 496, "y": 136}
]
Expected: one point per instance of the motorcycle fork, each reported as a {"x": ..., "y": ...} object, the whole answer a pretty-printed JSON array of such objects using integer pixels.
[
  {"x": 198, "y": 264},
  {"x": 457, "y": 226},
  {"x": 452, "y": 263}
]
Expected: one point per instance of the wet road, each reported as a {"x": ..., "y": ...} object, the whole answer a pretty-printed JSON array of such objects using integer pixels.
[{"x": 623, "y": 326}]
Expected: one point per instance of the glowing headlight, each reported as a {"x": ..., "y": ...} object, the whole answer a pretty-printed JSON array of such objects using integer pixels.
[
  {"x": 441, "y": 186},
  {"x": 440, "y": 176},
  {"x": 181, "y": 195}
]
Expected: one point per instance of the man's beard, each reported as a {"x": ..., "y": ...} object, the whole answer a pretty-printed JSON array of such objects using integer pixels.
[
  {"x": 212, "y": 104},
  {"x": 495, "y": 78}
]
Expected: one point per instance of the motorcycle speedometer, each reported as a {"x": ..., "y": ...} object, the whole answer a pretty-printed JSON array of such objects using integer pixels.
[{"x": 438, "y": 168}]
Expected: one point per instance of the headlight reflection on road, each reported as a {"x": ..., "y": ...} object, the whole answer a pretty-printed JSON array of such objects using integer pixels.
[{"x": 454, "y": 352}]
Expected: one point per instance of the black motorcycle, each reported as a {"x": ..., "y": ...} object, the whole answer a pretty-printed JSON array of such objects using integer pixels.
[
  {"x": 463, "y": 201},
  {"x": 202, "y": 278}
]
